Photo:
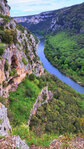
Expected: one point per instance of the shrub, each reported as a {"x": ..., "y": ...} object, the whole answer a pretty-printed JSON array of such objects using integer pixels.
[
  {"x": 14, "y": 71},
  {"x": 24, "y": 61},
  {"x": 44, "y": 97},
  {"x": 32, "y": 77},
  {"x": 11, "y": 26},
  {"x": 2, "y": 48},
  {"x": 20, "y": 27},
  {"x": 8, "y": 36},
  {"x": 35, "y": 58},
  {"x": 28, "y": 92},
  {"x": 6, "y": 65},
  {"x": 11, "y": 73},
  {"x": 22, "y": 131}
]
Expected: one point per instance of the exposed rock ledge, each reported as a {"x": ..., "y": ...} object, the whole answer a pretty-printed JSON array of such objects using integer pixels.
[
  {"x": 43, "y": 98},
  {"x": 7, "y": 141},
  {"x": 12, "y": 143}
]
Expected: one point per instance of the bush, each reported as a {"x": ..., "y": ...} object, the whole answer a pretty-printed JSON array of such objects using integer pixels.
[
  {"x": 22, "y": 131},
  {"x": 6, "y": 65},
  {"x": 32, "y": 77},
  {"x": 28, "y": 92},
  {"x": 11, "y": 26},
  {"x": 2, "y": 48},
  {"x": 14, "y": 71},
  {"x": 8, "y": 36},
  {"x": 20, "y": 27},
  {"x": 24, "y": 61},
  {"x": 11, "y": 73}
]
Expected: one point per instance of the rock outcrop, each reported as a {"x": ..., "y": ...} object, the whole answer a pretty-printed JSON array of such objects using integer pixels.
[
  {"x": 7, "y": 141},
  {"x": 77, "y": 142},
  {"x": 4, "y": 8},
  {"x": 19, "y": 56},
  {"x": 43, "y": 98},
  {"x": 4, "y": 121},
  {"x": 12, "y": 142}
]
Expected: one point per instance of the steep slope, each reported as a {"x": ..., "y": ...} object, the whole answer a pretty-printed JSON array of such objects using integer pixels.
[
  {"x": 4, "y": 8},
  {"x": 17, "y": 54},
  {"x": 66, "y": 18},
  {"x": 7, "y": 141},
  {"x": 64, "y": 44},
  {"x": 65, "y": 51},
  {"x": 51, "y": 106}
]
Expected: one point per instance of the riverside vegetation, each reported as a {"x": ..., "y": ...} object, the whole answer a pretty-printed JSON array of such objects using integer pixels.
[
  {"x": 64, "y": 45},
  {"x": 22, "y": 78},
  {"x": 65, "y": 51}
]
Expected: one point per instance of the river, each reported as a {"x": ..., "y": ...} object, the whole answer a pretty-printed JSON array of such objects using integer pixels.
[{"x": 50, "y": 68}]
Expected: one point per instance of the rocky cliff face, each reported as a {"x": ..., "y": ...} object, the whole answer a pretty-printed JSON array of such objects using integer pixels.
[
  {"x": 67, "y": 18},
  {"x": 4, "y": 8},
  {"x": 17, "y": 55},
  {"x": 8, "y": 141},
  {"x": 4, "y": 121}
]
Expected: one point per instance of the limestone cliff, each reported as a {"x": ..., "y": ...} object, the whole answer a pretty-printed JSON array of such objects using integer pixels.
[
  {"x": 4, "y": 121},
  {"x": 8, "y": 141},
  {"x": 17, "y": 54},
  {"x": 70, "y": 18},
  {"x": 4, "y": 7}
]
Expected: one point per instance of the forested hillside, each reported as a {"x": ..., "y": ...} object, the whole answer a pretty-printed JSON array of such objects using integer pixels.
[
  {"x": 71, "y": 18},
  {"x": 64, "y": 45},
  {"x": 65, "y": 50},
  {"x": 35, "y": 105}
]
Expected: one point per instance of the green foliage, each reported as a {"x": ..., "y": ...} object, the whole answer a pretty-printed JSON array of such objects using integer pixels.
[
  {"x": 10, "y": 73},
  {"x": 14, "y": 71},
  {"x": 2, "y": 48},
  {"x": 20, "y": 27},
  {"x": 36, "y": 39},
  {"x": 6, "y": 66},
  {"x": 11, "y": 26},
  {"x": 24, "y": 132},
  {"x": 6, "y": 19},
  {"x": 24, "y": 61},
  {"x": 1, "y": 121},
  {"x": 32, "y": 77},
  {"x": 66, "y": 52},
  {"x": 8, "y": 36},
  {"x": 72, "y": 19},
  {"x": 35, "y": 58},
  {"x": 21, "y": 101},
  {"x": 62, "y": 113}
]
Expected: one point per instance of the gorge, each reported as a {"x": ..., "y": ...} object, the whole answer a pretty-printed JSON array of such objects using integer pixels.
[
  {"x": 38, "y": 110},
  {"x": 50, "y": 68}
]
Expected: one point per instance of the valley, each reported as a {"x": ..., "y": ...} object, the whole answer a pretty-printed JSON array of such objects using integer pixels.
[
  {"x": 65, "y": 51},
  {"x": 41, "y": 101},
  {"x": 53, "y": 70}
]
